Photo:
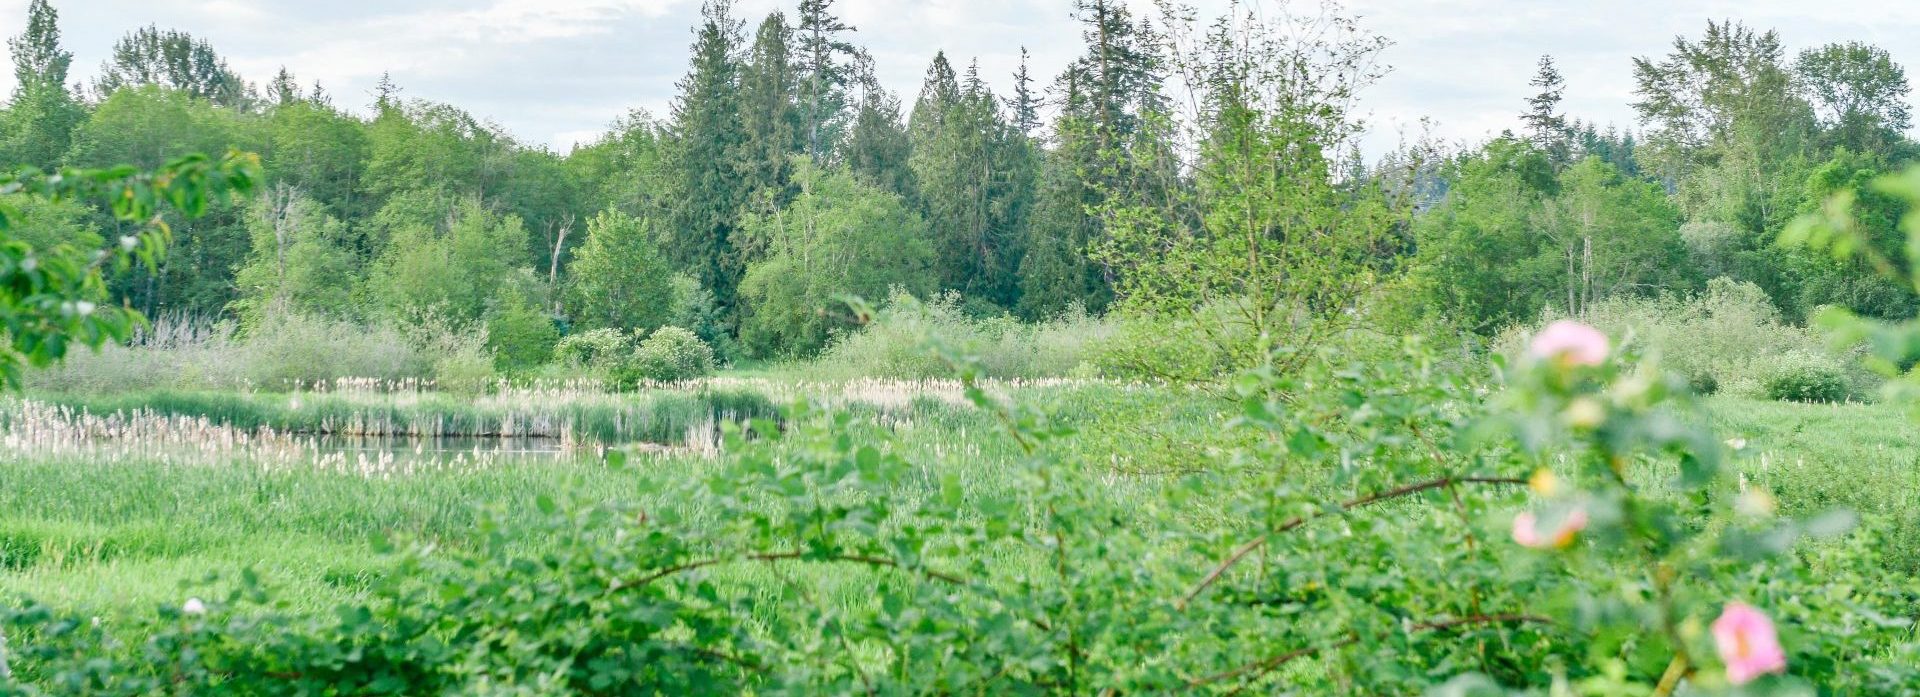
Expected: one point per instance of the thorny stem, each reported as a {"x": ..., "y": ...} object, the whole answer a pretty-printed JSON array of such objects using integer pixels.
[
  {"x": 1258, "y": 542},
  {"x": 1670, "y": 680},
  {"x": 1459, "y": 507}
]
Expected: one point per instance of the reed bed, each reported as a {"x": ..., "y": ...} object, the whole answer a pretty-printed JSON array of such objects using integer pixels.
[
  {"x": 574, "y": 412},
  {"x": 573, "y": 418},
  {"x": 38, "y": 432}
]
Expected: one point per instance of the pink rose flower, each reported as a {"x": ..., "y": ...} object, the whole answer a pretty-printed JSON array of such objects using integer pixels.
[
  {"x": 1570, "y": 342},
  {"x": 1747, "y": 643},
  {"x": 1527, "y": 532}
]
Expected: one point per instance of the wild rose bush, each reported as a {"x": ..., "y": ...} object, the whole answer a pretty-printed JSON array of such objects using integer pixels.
[{"x": 1392, "y": 527}]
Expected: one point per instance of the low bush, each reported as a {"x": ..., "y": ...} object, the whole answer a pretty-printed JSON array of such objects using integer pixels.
[
  {"x": 894, "y": 344},
  {"x": 671, "y": 354},
  {"x": 288, "y": 351},
  {"x": 1728, "y": 339},
  {"x": 595, "y": 350},
  {"x": 1805, "y": 377},
  {"x": 279, "y": 353}
]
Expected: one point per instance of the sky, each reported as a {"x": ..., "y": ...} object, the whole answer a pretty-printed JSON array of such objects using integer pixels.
[{"x": 557, "y": 72}]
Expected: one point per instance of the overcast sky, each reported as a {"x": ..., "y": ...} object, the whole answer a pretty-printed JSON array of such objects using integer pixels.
[{"x": 558, "y": 71}]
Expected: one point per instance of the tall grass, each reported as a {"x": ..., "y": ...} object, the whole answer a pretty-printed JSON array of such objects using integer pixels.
[
  {"x": 656, "y": 416},
  {"x": 120, "y": 534},
  {"x": 894, "y": 346},
  {"x": 190, "y": 353}
]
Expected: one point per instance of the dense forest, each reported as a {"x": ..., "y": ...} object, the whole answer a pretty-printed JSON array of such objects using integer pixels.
[{"x": 785, "y": 176}]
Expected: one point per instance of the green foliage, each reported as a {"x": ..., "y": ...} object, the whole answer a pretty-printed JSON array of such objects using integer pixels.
[
  {"x": 878, "y": 149},
  {"x": 1844, "y": 229},
  {"x": 174, "y": 60},
  {"x": 1729, "y": 336},
  {"x": 1859, "y": 94},
  {"x": 450, "y": 265},
  {"x": 624, "y": 169},
  {"x": 1805, "y": 377},
  {"x": 319, "y": 151},
  {"x": 1280, "y": 566},
  {"x": 600, "y": 350},
  {"x": 839, "y": 237},
  {"x": 1817, "y": 280},
  {"x": 704, "y": 184},
  {"x": 892, "y": 345},
  {"x": 53, "y": 298},
  {"x": 303, "y": 261},
  {"x": 37, "y": 127},
  {"x": 770, "y": 115},
  {"x": 695, "y": 309},
  {"x": 619, "y": 279},
  {"x": 1270, "y": 248},
  {"x": 519, "y": 333},
  {"x": 1568, "y": 238},
  {"x": 146, "y": 127},
  {"x": 459, "y": 352},
  {"x": 279, "y": 352},
  {"x": 974, "y": 184},
  {"x": 670, "y": 354}
]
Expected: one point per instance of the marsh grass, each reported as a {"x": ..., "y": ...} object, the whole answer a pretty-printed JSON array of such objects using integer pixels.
[
  {"x": 658, "y": 416},
  {"x": 119, "y": 533},
  {"x": 117, "y": 536}
]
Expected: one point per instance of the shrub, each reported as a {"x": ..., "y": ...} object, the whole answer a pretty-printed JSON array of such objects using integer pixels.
[
  {"x": 894, "y": 345},
  {"x": 672, "y": 354},
  {"x": 595, "y": 349},
  {"x": 1728, "y": 338},
  {"x": 461, "y": 361},
  {"x": 279, "y": 352},
  {"x": 1703, "y": 383},
  {"x": 519, "y": 333},
  {"x": 1806, "y": 377},
  {"x": 696, "y": 310},
  {"x": 291, "y": 350},
  {"x": 1630, "y": 527},
  {"x": 1173, "y": 348}
]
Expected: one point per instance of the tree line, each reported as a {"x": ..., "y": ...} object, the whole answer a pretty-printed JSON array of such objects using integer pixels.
[
  {"x": 1739, "y": 139},
  {"x": 786, "y": 177}
]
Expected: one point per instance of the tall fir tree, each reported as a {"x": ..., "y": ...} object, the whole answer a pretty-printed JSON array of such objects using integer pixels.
[
  {"x": 1546, "y": 126},
  {"x": 284, "y": 90},
  {"x": 1057, "y": 273},
  {"x": 769, "y": 114},
  {"x": 939, "y": 92},
  {"x": 38, "y": 126},
  {"x": 966, "y": 159},
  {"x": 828, "y": 68},
  {"x": 703, "y": 163},
  {"x": 1111, "y": 121},
  {"x": 1025, "y": 107},
  {"x": 878, "y": 147}
]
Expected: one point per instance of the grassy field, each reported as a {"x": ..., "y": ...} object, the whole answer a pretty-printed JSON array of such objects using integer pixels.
[
  {"x": 127, "y": 533},
  {"x": 120, "y": 535},
  {"x": 124, "y": 533}
]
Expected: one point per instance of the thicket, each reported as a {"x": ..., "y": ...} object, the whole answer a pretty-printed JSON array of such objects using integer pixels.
[
  {"x": 284, "y": 352},
  {"x": 1729, "y": 339}
]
